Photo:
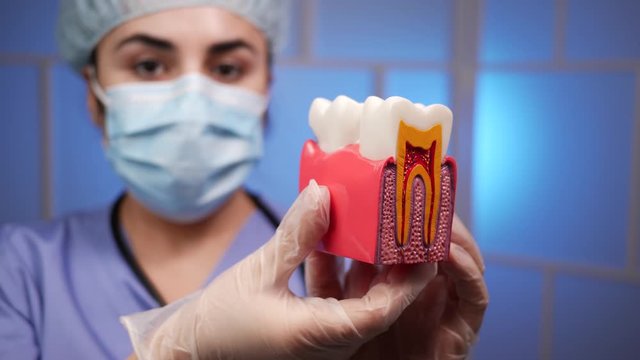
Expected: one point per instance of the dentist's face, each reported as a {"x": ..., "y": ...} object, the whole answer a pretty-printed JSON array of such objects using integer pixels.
[{"x": 172, "y": 43}]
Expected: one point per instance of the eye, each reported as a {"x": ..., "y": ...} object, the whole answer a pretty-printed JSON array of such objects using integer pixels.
[
  {"x": 149, "y": 69},
  {"x": 227, "y": 72}
]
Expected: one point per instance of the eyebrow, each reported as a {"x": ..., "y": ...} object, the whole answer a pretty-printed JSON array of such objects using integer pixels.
[
  {"x": 228, "y": 46},
  {"x": 161, "y": 44},
  {"x": 148, "y": 40}
]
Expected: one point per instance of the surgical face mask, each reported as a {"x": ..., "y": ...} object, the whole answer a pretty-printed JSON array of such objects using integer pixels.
[{"x": 182, "y": 146}]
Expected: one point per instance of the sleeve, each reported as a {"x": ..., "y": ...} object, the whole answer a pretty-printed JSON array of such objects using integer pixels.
[{"x": 19, "y": 299}]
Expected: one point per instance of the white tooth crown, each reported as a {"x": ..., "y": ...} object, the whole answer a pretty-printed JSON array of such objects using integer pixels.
[
  {"x": 374, "y": 123},
  {"x": 317, "y": 123}
]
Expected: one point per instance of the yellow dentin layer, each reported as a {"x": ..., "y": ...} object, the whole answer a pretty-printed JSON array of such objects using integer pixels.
[{"x": 418, "y": 154}]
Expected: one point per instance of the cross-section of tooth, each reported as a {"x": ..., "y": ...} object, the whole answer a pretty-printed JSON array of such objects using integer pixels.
[
  {"x": 393, "y": 191},
  {"x": 427, "y": 117}
]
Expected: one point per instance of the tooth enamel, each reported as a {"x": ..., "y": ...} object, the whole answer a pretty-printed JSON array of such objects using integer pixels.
[
  {"x": 343, "y": 117},
  {"x": 336, "y": 124},
  {"x": 317, "y": 121},
  {"x": 425, "y": 117},
  {"x": 374, "y": 123},
  {"x": 374, "y": 129}
]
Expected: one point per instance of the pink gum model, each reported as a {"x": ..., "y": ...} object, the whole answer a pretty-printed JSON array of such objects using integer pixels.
[{"x": 363, "y": 207}]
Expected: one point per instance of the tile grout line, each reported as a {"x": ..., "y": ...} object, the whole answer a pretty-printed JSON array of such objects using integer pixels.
[
  {"x": 307, "y": 26},
  {"x": 308, "y": 60},
  {"x": 594, "y": 272},
  {"x": 560, "y": 26},
  {"x": 294, "y": 61},
  {"x": 452, "y": 45},
  {"x": 44, "y": 85},
  {"x": 26, "y": 58},
  {"x": 479, "y": 42},
  {"x": 466, "y": 18},
  {"x": 590, "y": 65},
  {"x": 546, "y": 324},
  {"x": 379, "y": 81},
  {"x": 633, "y": 248}
]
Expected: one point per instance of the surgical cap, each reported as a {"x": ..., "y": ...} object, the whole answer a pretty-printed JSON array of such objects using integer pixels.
[{"x": 83, "y": 23}]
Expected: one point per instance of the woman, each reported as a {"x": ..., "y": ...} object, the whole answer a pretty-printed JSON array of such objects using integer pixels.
[{"x": 179, "y": 89}]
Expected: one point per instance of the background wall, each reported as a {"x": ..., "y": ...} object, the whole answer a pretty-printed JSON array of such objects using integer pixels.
[{"x": 546, "y": 99}]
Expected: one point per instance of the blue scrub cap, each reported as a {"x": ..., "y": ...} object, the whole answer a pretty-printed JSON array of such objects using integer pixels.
[{"x": 82, "y": 23}]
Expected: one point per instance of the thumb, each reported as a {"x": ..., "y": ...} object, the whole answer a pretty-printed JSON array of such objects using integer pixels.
[{"x": 302, "y": 227}]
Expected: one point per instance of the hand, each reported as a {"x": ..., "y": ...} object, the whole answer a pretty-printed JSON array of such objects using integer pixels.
[
  {"x": 467, "y": 296},
  {"x": 442, "y": 323},
  {"x": 249, "y": 312}
]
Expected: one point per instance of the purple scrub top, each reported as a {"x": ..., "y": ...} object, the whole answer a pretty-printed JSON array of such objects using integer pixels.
[{"x": 65, "y": 283}]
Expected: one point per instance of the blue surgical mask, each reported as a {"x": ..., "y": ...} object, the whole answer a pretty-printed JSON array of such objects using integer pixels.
[{"x": 182, "y": 146}]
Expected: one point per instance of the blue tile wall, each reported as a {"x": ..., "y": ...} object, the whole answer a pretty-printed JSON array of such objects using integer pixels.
[
  {"x": 27, "y": 26},
  {"x": 423, "y": 86},
  {"x": 401, "y": 30},
  {"x": 552, "y": 150},
  {"x": 288, "y": 129},
  {"x": 551, "y": 164},
  {"x": 517, "y": 30},
  {"x": 82, "y": 177},
  {"x": 603, "y": 29},
  {"x": 20, "y": 139},
  {"x": 512, "y": 315},
  {"x": 596, "y": 319}
]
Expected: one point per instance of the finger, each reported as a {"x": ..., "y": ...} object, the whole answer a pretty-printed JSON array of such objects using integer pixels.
[
  {"x": 430, "y": 304},
  {"x": 455, "y": 341},
  {"x": 302, "y": 227},
  {"x": 359, "y": 279},
  {"x": 322, "y": 275},
  {"x": 421, "y": 320},
  {"x": 384, "y": 302},
  {"x": 471, "y": 289},
  {"x": 462, "y": 236}
]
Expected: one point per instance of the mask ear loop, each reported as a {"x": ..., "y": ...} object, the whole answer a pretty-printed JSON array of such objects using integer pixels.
[{"x": 97, "y": 89}]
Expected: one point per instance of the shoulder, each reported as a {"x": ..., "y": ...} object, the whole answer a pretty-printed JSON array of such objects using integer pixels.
[
  {"x": 35, "y": 255},
  {"x": 27, "y": 243},
  {"x": 36, "y": 277}
]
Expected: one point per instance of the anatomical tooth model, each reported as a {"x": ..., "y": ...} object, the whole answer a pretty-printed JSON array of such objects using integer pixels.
[{"x": 392, "y": 186}]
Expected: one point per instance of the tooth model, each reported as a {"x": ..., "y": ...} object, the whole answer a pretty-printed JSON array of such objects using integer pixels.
[{"x": 392, "y": 187}]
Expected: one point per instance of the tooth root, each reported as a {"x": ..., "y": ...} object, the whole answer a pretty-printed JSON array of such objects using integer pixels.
[
  {"x": 317, "y": 120},
  {"x": 343, "y": 119}
]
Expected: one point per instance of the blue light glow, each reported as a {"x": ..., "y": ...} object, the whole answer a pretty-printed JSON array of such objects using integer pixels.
[{"x": 552, "y": 154}]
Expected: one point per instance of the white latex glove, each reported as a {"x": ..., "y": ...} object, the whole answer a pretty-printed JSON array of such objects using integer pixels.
[
  {"x": 248, "y": 312},
  {"x": 444, "y": 320}
]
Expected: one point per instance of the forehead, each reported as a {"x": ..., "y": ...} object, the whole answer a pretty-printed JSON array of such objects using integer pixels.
[{"x": 190, "y": 26}]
